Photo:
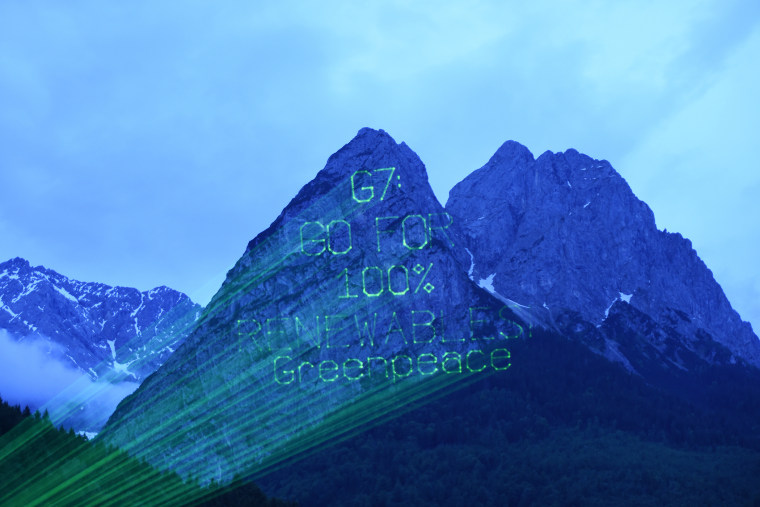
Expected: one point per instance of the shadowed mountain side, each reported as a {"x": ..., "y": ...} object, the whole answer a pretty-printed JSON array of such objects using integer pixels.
[{"x": 565, "y": 427}]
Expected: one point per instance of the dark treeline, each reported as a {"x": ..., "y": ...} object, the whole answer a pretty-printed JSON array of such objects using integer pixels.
[
  {"x": 41, "y": 463},
  {"x": 562, "y": 426}
]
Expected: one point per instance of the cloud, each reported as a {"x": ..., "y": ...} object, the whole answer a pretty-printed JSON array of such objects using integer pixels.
[
  {"x": 30, "y": 373},
  {"x": 33, "y": 372}
]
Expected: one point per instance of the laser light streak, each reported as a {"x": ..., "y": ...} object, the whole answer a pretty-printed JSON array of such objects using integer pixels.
[{"x": 288, "y": 370}]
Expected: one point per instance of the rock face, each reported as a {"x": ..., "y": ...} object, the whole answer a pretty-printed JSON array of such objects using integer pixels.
[
  {"x": 354, "y": 303},
  {"x": 565, "y": 232},
  {"x": 115, "y": 331}
]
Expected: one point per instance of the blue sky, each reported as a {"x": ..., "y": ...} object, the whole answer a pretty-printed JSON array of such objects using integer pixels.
[{"x": 144, "y": 145}]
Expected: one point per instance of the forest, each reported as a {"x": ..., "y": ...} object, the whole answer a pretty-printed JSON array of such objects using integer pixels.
[{"x": 44, "y": 465}]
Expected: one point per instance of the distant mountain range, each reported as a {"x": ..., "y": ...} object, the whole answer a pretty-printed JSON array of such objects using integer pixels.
[
  {"x": 108, "y": 335},
  {"x": 366, "y": 297}
]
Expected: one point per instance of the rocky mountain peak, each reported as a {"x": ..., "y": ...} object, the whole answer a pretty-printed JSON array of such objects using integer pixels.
[
  {"x": 566, "y": 232},
  {"x": 511, "y": 154},
  {"x": 372, "y": 170},
  {"x": 17, "y": 262}
]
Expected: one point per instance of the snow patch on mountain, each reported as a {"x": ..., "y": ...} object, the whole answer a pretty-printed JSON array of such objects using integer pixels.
[
  {"x": 472, "y": 265},
  {"x": 607, "y": 310},
  {"x": 63, "y": 292},
  {"x": 487, "y": 283},
  {"x": 112, "y": 346}
]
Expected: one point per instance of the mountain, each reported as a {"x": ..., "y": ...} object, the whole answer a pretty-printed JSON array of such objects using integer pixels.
[
  {"x": 565, "y": 235},
  {"x": 354, "y": 303},
  {"x": 88, "y": 332},
  {"x": 365, "y": 299}
]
